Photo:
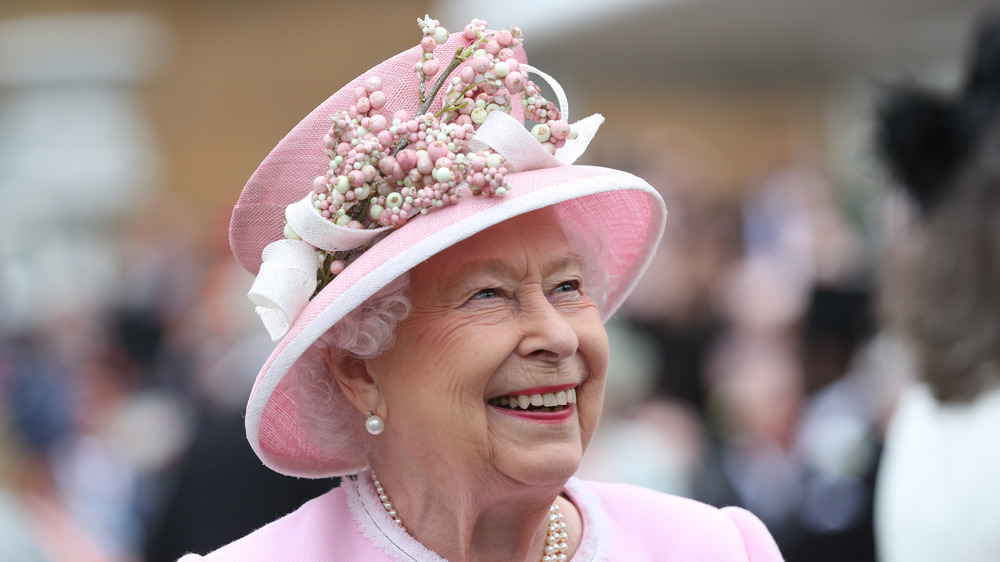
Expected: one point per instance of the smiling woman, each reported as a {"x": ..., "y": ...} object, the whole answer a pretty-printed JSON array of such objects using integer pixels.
[
  {"x": 503, "y": 313},
  {"x": 438, "y": 279}
]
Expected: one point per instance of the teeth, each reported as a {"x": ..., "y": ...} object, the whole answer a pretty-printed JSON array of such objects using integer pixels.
[{"x": 543, "y": 401}]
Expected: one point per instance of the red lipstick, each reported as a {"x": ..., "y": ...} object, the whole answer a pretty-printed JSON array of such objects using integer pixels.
[{"x": 558, "y": 416}]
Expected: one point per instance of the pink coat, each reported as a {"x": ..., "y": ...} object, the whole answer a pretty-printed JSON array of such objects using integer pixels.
[{"x": 621, "y": 522}]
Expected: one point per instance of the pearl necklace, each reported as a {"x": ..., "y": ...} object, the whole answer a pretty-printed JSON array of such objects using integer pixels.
[{"x": 556, "y": 537}]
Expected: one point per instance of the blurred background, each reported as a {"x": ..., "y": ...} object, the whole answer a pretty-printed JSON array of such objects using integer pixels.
[{"x": 747, "y": 368}]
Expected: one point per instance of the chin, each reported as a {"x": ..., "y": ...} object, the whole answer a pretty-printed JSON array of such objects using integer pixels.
[{"x": 553, "y": 467}]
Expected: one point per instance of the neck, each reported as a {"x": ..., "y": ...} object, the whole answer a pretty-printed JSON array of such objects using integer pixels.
[{"x": 467, "y": 519}]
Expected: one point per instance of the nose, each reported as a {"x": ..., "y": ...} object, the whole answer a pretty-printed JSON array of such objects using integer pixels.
[{"x": 546, "y": 333}]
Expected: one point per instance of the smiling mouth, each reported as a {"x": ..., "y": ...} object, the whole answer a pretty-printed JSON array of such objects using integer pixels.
[{"x": 548, "y": 402}]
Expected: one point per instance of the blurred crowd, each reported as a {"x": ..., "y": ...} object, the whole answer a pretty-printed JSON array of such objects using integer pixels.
[
  {"x": 748, "y": 368},
  {"x": 121, "y": 422}
]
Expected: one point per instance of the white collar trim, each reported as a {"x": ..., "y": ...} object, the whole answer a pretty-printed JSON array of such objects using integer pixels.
[{"x": 376, "y": 525}]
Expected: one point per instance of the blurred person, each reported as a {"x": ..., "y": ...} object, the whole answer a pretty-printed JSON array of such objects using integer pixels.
[
  {"x": 804, "y": 463},
  {"x": 646, "y": 437},
  {"x": 98, "y": 477},
  {"x": 461, "y": 355},
  {"x": 674, "y": 302},
  {"x": 206, "y": 498},
  {"x": 838, "y": 434},
  {"x": 783, "y": 441},
  {"x": 37, "y": 520},
  {"x": 85, "y": 440},
  {"x": 755, "y": 398},
  {"x": 937, "y": 492},
  {"x": 180, "y": 322}
]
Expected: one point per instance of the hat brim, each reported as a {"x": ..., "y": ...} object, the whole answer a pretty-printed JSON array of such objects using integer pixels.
[{"x": 624, "y": 211}]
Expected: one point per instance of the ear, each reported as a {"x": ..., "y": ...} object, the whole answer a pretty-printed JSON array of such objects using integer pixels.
[{"x": 356, "y": 383}]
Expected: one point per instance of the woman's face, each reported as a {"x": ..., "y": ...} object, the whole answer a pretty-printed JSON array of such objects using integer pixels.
[{"x": 502, "y": 314}]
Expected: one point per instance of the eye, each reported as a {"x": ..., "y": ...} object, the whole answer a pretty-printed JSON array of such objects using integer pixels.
[
  {"x": 567, "y": 287},
  {"x": 486, "y": 294}
]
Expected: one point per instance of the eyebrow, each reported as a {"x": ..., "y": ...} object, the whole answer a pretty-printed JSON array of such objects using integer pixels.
[{"x": 500, "y": 267}]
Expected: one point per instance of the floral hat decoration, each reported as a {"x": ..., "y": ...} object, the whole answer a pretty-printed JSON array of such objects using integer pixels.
[{"x": 337, "y": 210}]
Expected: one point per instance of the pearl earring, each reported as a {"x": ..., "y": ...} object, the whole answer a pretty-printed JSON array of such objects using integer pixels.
[{"x": 374, "y": 424}]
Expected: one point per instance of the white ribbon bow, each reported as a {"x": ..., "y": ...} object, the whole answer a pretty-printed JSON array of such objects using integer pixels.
[
  {"x": 287, "y": 276},
  {"x": 522, "y": 152},
  {"x": 284, "y": 284}
]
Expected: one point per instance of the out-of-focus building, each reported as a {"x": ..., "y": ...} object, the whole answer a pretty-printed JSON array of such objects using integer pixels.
[{"x": 78, "y": 155}]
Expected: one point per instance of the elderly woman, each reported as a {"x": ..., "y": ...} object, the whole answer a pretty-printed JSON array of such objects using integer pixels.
[{"x": 438, "y": 278}]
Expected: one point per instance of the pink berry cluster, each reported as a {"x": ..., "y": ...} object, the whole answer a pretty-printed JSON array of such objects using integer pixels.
[
  {"x": 371, "y": 184},
  {"x": 490, "y": 80},
  {"x": 385, "y": 170}
]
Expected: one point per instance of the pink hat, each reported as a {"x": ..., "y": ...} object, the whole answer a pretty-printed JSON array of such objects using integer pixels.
[{"x": 624, "y": 211}]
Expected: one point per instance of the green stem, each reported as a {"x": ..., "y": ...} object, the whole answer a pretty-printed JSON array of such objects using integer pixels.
[
  {"x": 455, "y": 61},
  {"x": 359, "y": 212},
  {"x": 323, "y": 275},
  {"x": 461, "y": 55},
  {"x": 402, "y": 144},
  {"x": 451, "y": 108}
]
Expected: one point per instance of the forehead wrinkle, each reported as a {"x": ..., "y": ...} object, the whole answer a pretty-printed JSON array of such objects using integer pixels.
[
  {"x": 497, "y": 266},
  {"x": 502, "y": 268},
  {"x": 569, "y": 261}
]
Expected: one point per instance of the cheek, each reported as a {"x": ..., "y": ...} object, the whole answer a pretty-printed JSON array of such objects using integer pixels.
[
  {"x": 595, "y": 351},
  {"x": 447, "y": 359},
  {"x": 473, "y": 351},
  {"x": 594, "y": 346}
]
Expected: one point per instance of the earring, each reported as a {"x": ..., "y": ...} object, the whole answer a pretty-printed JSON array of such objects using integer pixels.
[{"x": 374, "y": 424}]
